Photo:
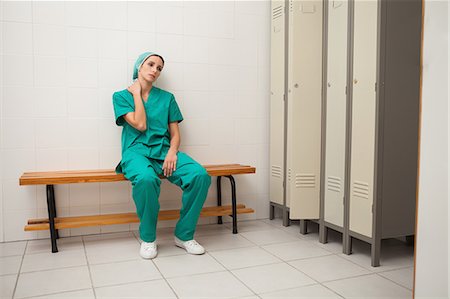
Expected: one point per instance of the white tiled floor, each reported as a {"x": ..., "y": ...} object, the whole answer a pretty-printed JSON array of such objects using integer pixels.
[{"x": 265, "y": 260}]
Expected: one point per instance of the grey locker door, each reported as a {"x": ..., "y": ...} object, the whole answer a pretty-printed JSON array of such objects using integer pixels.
[
  {"x": 304, "y": 108},
  {"x": 277, "y": 86},
  {"x": 363, "y": 116},
  {"x": 336, "y": 118}
]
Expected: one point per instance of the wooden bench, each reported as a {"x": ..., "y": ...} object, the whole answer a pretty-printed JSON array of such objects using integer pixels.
[{"x": 54, "y": 223}]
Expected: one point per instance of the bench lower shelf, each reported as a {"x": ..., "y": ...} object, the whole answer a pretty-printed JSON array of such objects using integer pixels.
[{"x": 125, "y": 218}]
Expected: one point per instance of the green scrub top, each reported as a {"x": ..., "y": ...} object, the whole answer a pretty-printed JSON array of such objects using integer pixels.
[{"x": 161, "y": 109}]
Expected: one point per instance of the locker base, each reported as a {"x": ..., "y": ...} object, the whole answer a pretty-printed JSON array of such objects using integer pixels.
[{"x": 284, "y": 210}]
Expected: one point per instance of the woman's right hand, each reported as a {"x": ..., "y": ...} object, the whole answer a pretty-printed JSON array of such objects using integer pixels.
[{"x": 135, "y": 88}]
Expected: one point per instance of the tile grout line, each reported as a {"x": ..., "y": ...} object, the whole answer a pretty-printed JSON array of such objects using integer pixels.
[
  {"x": 394, "y": 281},
  {"x": 89, "y": 268},
  {"x": 63, "y": 292},
  {"x": 229, "y": 271},
  {"x": 157, "y": 268},
  {"x": 20, "y": 269}
]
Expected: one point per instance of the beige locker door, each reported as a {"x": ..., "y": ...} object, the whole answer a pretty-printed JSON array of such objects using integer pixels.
[
  {"x": 277, "y": 82},
  {"x": 304, "y": 108},
  {"x": 336, "y": 112},
  {"x": 363, "y": 116}
]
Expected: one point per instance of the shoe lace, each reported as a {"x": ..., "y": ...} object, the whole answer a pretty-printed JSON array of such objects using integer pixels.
[
  {"x": 149, "y": 246},
  {"x": 191, "y": 243}
]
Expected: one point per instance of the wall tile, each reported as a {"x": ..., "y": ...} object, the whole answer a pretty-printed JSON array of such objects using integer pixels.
[
  {"x": 51, "y": 159},
  {"x": 50, "y": 102},
  {"x": 13, "y": 70},
  {"x": 112, "y": 74},
  {"x": 51, "y": 12},
  {"x": 51, "y": 133},
  {"x": 82, "y": 42},
  {"x": 18, "y": 197},
  {"x": 196, "y": 21},
  {"x": 84, "y": 195},
  {"x": 16, "y": 11},
  {"x": 83, "y": 158},
  {"x": 84, "y": 14},
  {"x": 14, "y": 222},
  {"x": 196, "y": 77},
  {"x": 17, "y": 38},
  {"x": 18, "y": 133},
  {"x": 140, "y": 17},
  {"x": 18, "y": 102},
  {"x": 115, "y": 193},
  {"x": 109, "y": 133},
  {"x": 169, "y": 20},
  {"x": 196, "y": 49},
  {"x": 113, "y": 15},
  {"x": 50, "y": 71},
  {"x": 83, "y": 133},
  {"x": 110, "y": 45},
  {"x": 219, "y": 24},
  {"x": 195, "y": 132},
  {"x": 82, "y": 102},
  {"x": 82, "y": 72},
  {"x": 110, "y": 157},
  {"x": 47, "y": 40}
]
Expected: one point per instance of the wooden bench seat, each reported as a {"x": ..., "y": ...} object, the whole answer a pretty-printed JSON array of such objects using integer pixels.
[{"x": 54, "y": 223}]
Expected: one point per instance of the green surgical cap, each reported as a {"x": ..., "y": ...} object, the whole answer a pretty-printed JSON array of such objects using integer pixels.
[{"x": 143, "y": 57}]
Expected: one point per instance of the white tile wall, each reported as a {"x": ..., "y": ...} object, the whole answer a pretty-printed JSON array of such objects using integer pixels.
[{"x": 61, "y": 62}]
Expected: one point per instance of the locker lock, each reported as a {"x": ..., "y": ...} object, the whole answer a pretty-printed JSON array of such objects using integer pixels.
[
  {"x": 355, "y": 81},
  {"x": 296, "y": 85}
]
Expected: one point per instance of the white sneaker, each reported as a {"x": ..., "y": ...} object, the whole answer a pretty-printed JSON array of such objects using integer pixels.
[
  {"x": 191, "y": 246},
  {"x": 148, "y": 250}
]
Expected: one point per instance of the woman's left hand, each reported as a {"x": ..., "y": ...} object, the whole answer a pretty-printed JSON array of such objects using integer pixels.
[{"x": 170, "y": 164}]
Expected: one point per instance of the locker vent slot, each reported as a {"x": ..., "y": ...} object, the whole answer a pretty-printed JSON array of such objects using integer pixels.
[
  {"x": 291, "y": 6},
  {"x": 361, "y": 189},
  {"x": 289, "y": 174},
  {"x": 305, "y": 181},
  {"x": 337, "y": 4},
  {"x": 277, "y": 12},
  {"x": 276, "y": 171},
  {"x": 334, "y": 184}
]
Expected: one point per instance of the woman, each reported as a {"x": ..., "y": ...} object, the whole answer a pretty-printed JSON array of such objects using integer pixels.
[{"x": 150, "y": 140}]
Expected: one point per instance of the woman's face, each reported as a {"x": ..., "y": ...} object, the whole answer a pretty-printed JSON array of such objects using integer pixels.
[{"x": 151, "y": 69}]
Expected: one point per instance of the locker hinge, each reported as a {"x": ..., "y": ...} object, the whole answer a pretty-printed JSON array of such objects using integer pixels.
[
  {"x": 373, "y": 209},
  {"x": 345, "y": 89},
  {"x": 375, "y": 86},
  {"x": 284, "y": 97},
  {"x": 284, "y": 184}
]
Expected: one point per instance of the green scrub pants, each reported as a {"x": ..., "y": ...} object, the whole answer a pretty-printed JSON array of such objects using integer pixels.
[{"x": 143, "y": 173}]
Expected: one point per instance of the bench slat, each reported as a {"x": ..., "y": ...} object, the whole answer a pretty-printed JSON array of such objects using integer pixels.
[
  {"x": 125, "y": 218},
  {"x": 109, "y": 175}
]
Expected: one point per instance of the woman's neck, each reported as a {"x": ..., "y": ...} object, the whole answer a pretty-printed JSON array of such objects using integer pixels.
[{"x": 146, "y": 87}]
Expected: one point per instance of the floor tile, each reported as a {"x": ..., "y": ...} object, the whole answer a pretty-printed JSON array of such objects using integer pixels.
[
  {"x": 369, "y": 286},
  {"x": 296, "y": 250},
  {"x": 123, "y": 238},
  {"x": 48, "y": 260},
  {"x": 12, "y": 248},
  {"x": 111, "y": 248},
  {"x": 10, "y": 264},
  {"x": 327, "y": 268},
  {"x": 403, "y": 277},
  {"x": 313, "y": 291},
  {"x": 82, "y": 294},
  {"x": 187, "y": 264},
  {"x": 123, "y": 272},
  {"x": 268, "y": 278},
  {"x": 148, "y": 289},
  {"x": 223, "y": 241},
  {"x": 213, "y": 229},
  {"x": 64, "y": 244},
  {"x": 273, "y": 236},
  {"x": 210, "y": 285},
  {"x": 249, "y": 226},
  {"x": 52, "y": 281},
  {"x": 7, "y": 284},
  {"x": 244, "y": 257},
  {"x": 166, "y": 247}
]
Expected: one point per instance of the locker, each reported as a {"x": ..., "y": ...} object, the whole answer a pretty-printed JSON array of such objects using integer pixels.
[
  {"x": 381, "y": 120},
  {"x": 304, "y": 109},
  {"x": 295, "y": 122},
  {"x": 335, "y": 97},
  {"x": 277, "y": 94}
]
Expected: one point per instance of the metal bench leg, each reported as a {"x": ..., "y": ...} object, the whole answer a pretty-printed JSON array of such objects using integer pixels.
[
  {"x": 219, "y": 197},
  {"x": 51, "y": 206},
  {"x": 233, "y": 203}
]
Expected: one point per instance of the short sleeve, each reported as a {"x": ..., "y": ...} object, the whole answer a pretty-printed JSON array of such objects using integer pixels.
[
  {"x": 174, "y": 111},
  {"x": 121, "y": 107}
]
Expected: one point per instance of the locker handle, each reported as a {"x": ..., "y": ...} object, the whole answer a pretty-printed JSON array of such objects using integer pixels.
[{"x": 355, "y": 81}]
